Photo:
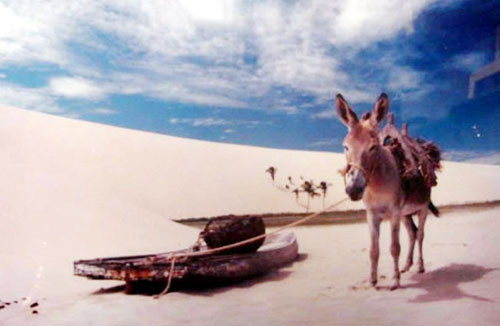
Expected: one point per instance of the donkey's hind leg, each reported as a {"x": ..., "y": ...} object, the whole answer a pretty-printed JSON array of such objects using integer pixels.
[
  {"x": 395, "y": 247},
  {"x": 412, "y": 235},
  {"x": 422, "y": 216}
]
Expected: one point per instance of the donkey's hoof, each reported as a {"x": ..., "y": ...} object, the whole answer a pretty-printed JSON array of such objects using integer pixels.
[
  {"x": 406, "y": 268},
  {"x": 421, "y": 269},
  {"x": 394, "y": 286},
  {"x": 373, "y": 282}
]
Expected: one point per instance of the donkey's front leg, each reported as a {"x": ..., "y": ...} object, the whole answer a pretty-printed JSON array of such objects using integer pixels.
[
  {"x": 395, "y": 247},
  {"x": 373, "y": 220}
]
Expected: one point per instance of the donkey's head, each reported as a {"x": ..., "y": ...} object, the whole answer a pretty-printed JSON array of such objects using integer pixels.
[{"x": 361, "y": 144}]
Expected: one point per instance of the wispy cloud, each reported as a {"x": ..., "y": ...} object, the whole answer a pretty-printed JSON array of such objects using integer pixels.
[
  {"x": 361, "y": 22},
  {"x": 218, "y": 53},
  {"x": 28, "y": 98},
  {"x": 75, "y": 88},
  {"x": 471, "y": 156},
  {"x": 469, "y": 61},
  {"x": 325, "y": 114},
  {"x": 102, "y": 111},
  {"x": 288, "y": 109},
  {"x": 324, "y": 144},
  {"x": 404, "y": 79},
  {"x": 208, "y": 122}
]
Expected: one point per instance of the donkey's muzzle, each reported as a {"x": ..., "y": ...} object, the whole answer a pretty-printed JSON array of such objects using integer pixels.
[{"x": 355, "y": 183}]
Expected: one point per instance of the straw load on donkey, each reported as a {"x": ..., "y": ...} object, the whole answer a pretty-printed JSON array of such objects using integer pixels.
[{"x": 393, "y": 174}]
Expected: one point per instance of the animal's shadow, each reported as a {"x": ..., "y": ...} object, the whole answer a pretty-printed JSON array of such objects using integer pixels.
[
  {"x": 201, "y": 287},
  {"x": 443, "y": 284}
]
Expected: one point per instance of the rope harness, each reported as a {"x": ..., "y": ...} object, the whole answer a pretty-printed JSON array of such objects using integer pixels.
[
  {"x": 183, "y": 256},
  {"x": 359, "y": 167}
]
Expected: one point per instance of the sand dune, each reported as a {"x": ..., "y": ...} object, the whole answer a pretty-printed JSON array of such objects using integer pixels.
[
  {"x": 71, "y": 189},
  {"x": 180, "y": 178}
]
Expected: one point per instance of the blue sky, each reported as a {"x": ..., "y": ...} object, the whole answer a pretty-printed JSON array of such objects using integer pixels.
[{"x": 250, "y": 72}]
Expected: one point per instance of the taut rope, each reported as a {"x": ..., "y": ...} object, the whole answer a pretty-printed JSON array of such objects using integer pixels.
[{"x": 179, "y": 256}]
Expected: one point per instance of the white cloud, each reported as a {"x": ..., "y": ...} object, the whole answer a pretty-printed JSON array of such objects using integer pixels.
[
  {"x": 402, "y": 79},
  {"x": 208, "y": 122},
  {"x": 28, "y": 98},
  {"x": 200, "y": 122},
  {"x": 71, "y": 115},
  {"x": 469, "y": 62},
  {"x": 103, "y": 111},
  {"x": 329, "y": 143},
  {"x": 214, "y": 11},
  {"x": 288, "y": 109},
  {"x": 486, "y": 158},
  {"x": 39, "y": 30},
  {"x": 470, "y": 156},
  {"x": 325, "y": 114},
  {"x": 197, "y": 52},
  {"x": 75, "y": 88},
  {"x": 361, "y": 22}
]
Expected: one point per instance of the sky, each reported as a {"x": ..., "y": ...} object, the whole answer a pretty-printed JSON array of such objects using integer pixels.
[{"x": 261, "y": 73}]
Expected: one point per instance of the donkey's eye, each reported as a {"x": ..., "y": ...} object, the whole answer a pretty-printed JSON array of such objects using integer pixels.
[
  {"x": 346, "y": 149},
  {"x": 387, "y": 140}
]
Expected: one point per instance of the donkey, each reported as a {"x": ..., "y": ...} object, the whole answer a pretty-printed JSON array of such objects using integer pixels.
[{"x": 372, "y": 174}]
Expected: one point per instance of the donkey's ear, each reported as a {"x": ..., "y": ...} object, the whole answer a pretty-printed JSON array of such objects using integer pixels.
[
  {"x": 390, "y": 118},
  {"x": 404, "y": 129},
  {"x": 344, "y": 112},
  {"x": 380, "y": 109}
]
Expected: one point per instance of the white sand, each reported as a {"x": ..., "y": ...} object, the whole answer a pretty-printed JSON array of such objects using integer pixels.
[{"x": 71, "y": 190}]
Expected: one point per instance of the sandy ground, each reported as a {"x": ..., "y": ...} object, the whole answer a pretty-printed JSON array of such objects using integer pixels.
[
  {"x": 71, "y": 190},
  {"x": 328, "y": 285}
]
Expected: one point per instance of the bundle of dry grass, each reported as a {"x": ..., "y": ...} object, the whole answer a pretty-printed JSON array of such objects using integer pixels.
[{"x": 414, "y": 156}]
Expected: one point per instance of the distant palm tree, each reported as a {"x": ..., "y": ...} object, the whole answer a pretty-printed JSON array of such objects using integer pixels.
[
  {"x": 296, "y": 192},
  {"x": 307, "y": 186},
  {"x": 310, "y": 189},
  {"x": 272, "y": 171},
  {"x": 323, "y": 186}
]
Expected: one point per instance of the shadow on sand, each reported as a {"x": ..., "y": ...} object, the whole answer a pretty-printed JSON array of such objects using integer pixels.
[
  {"x": 202, "y": 287},
  {"x": 443, "y": 284}
]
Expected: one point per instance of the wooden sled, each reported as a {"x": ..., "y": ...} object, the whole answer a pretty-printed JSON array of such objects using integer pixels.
[{"x": 278, "y": 250}]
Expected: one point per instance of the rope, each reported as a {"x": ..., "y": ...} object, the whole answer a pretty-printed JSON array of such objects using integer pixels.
[
  {"x": 259, "y": 237},
  {"x": 236, "y": 244},
  {"x": 359, "y": 167},
  {"x": 169, "y": 282}
]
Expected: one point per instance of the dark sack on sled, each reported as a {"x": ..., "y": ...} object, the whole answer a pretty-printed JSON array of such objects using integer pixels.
[{"x": 226, "y": 231}]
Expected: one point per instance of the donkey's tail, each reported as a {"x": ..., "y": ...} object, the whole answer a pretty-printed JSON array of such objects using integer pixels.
[{"x": 433, "y": 209}]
